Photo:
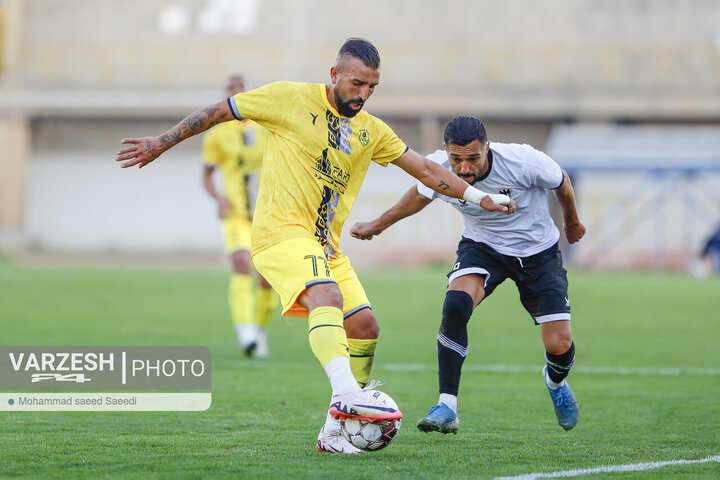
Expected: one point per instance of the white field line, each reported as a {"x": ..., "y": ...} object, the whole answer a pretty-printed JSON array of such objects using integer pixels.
[
  {"x": 633, "y": 467},
  {"x": 421, "y": 367}
]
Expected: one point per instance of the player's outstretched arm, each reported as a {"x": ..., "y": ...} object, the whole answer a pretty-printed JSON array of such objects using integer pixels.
[
  {"x": 142, "y": 151},
  {"x": 443, "y": 181},
  {"x": 410, "y": 203},
  {"x": 574, "y": 228}
]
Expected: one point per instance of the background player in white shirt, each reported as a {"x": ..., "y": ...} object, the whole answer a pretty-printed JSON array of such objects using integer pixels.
[{"x": 496, "y": 246}]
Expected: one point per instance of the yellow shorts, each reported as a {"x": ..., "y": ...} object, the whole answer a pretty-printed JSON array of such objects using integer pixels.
[
  {"x": 236, "y": 232},
  {"x": 293, "y": 265}
]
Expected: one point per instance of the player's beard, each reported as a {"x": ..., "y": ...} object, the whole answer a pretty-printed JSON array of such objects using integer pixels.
[{"x": 343, "y": 107}]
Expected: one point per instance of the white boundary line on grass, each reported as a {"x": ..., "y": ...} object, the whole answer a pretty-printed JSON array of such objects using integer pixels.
[
  {"x": 633, "y": 467},
  {"x": 420, "y": 367}
]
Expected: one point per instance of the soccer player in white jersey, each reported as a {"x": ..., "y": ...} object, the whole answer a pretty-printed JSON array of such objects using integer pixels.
[{"x": 522, "y": 247}]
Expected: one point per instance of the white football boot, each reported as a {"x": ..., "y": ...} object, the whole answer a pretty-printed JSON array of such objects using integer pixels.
[
  {"x": 331, "y": 439},
  {"x": 364, "y": 404}
]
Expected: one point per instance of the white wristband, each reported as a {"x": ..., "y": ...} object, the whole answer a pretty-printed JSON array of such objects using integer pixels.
[{"x": 475, "y": 196}]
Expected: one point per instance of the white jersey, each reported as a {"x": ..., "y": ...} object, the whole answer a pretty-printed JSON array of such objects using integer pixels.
[{"x": 524, "y": 174}]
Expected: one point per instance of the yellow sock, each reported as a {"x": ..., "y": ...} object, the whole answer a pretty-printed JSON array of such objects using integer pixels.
[
  {"x": 327, "y": 334},
  {"x": 266, "y": 302},
  {"x": 240, "y": 296},
  {"x": 362, "y": 354}
]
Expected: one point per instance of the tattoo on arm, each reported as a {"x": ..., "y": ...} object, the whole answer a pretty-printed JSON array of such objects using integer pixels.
[
  {"x": 211, "y": 111},
  {"x": 171, "y": 138},
  {"x": 193, "y": 124},
  {"x": 167, "y": 141},
  {"x": 196, "y": 123},
  {"x": 443, "y": 185}
]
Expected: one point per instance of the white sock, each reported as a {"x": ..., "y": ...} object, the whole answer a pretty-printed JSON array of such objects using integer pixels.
[
  {"x": 260, "y": 334},
  {"x": 341, "y": 377},
  {"x": 552, "y": 385},
  {"x": 331, "y": 425},
  {"x": 246, "y": 333},
  {"x": 449, "y": 400},
  {"x": 262, "y": 350},
  {"x": 240, "y": 333}
]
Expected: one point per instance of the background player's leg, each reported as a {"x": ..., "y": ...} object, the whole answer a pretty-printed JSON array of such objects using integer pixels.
[
  {"x": 240, "y": 296},
  {"x": 266, "y": 302}
]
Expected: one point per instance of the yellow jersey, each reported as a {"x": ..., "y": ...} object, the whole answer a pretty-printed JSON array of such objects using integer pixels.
[
  {"x": 237, "y": 148},
  {"x": 314, "y": 164}
]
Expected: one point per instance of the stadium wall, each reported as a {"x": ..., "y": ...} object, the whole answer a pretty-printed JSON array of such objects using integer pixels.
[{"x": 78, "y": 76}]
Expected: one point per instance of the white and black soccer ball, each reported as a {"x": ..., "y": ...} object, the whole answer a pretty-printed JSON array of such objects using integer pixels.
[
  {"x": 371, "y": 435},
  {"x": 367, "y": 435}
]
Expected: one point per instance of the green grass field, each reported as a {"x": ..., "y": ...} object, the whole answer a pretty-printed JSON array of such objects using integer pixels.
[{"x": 266, "y": 414}]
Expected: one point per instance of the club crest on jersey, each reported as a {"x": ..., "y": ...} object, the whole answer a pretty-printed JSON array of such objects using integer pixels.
[
  {"x": 364, "y": 137},
  {"x": 339, "y": 132}
]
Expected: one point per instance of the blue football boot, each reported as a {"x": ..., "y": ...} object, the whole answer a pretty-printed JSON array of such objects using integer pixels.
[
  {"x": 441, "y": 419},
  {"x": 566, "y": 409}
]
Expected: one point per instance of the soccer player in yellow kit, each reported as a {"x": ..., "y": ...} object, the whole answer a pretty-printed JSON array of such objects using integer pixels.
[
  {"x": 320, "y": 144},
  {"x": 237, "y": 149}
]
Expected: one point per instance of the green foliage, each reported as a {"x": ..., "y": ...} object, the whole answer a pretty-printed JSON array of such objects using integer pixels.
[{"x": 266, "y": 414}]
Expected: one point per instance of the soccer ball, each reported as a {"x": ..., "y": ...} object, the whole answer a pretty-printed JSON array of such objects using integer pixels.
[
  {"x": 367, "y": 435},
  {"x": 371, "y": 435}
]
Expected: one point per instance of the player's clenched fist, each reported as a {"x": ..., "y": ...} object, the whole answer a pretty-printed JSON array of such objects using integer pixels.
[
  {"x": 364, "y": 230},
  {"x": 574, "y": 231}
]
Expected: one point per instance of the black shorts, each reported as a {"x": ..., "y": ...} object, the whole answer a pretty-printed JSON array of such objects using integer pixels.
[{"x": 540, "y": 278}]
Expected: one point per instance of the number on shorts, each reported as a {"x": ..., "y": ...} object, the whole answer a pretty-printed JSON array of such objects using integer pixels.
[{"x": 314, "y": 260}]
